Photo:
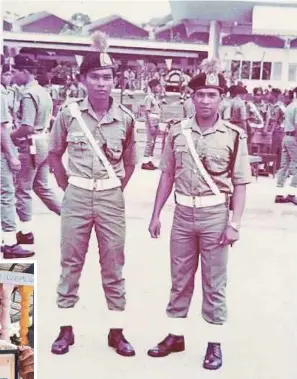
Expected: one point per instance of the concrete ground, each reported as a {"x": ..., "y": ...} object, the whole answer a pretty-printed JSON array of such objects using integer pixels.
[
  {"x": 261, "y": 333},
  {"x": 260, "y": 342}
]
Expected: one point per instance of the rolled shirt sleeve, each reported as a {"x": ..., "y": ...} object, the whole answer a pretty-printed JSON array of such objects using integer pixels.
[
  {"x": 242, "y": 169},
  {"x": 167, "y": 163},
  {"x": 58, "y": 136},
  {"x": 130, "y": 157},
  {"x": 5, "y": 116}
]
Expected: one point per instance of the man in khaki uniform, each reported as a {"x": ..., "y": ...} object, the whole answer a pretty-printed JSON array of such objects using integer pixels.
[
  {"x": 289, "y": 156},
  {"x": 31, "y": 138},
  {"x": 93, "y": 197},
  {"x": 10, "y": 165},
  {"x": 238, "y": 108},
  {"x": 206, "y": 159},
  {"x": 153, "y": 115}
]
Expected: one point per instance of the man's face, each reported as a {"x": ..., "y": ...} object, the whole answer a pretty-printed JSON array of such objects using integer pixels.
[
  {"x": 19, "y": 76},
  {"x": 206, "y": 102},
  {"x": 6, "y": 78},
  {"x": 99, "y": 83}
]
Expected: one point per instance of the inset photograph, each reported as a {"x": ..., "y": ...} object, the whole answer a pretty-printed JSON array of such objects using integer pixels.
[{"x": 17, "y": 283}]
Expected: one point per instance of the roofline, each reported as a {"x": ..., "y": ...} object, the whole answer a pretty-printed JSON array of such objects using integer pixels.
[{"x": 68, "y": 42}]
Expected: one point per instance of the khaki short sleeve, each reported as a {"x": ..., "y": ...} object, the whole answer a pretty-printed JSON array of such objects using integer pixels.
[
  {"x": 243, "y": 112},
  {"x": 5, "y": 117},
  {"x": 28, "y": 110},
  {"x": 148, "y": 103},
  {"x": 167, "y": 163},
  {"x": 242, "y": 168},
  {"x": 130, "y": 149},
  {"x": 58, "y": 135},
  {"x": 295, "y": 117}
]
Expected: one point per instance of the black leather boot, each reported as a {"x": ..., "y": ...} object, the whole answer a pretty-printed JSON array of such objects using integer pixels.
[
  {"x": 213, "y": 359},
  {"x": 171, "y": 344},
  {"x": 117, "y": 340},
  {"x": 64, "y": 340}
]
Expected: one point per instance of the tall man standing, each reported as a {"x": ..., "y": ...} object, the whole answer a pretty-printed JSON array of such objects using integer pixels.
[
  {"x": 99, "y": 135},
  {"x": 32, "y": 141},
  {"x": 206, "y": 158}
]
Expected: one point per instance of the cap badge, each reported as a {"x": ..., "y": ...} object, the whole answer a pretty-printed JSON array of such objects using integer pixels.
[{"x": 212, "y": 80}]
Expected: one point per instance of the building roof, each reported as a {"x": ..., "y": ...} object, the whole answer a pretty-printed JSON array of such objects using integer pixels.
[
  {"x": 106, "y": 20},
  {"x": 33, "y": 17}
]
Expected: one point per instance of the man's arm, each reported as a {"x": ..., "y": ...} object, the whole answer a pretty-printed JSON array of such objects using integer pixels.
[
  {"x": 29, "y": 113},
  {"x": 163, "y": 192},
  {"x": 57, "y": 147},
  {"x": 129, "y": 153},
  {"x": 238, "y": 202}
]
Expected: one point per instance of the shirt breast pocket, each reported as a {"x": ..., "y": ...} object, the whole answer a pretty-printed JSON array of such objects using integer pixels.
[
  {"x": 113, "y": 150},
  {"x": 180, "y": 151},
  {"x": 217, "y": 161},
  {"x": 77, "y": 145}
]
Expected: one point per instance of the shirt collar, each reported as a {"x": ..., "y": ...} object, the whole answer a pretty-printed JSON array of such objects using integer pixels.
[
  {"x": 218, "y": 126},
  {"x": 111, "y": 115}
]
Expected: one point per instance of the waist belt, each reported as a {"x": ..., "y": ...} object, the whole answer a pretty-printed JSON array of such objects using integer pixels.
[
  {"x": 94, "y": 184},
  {"x": 200, "y": 201},
  {"x": 292, "y": 134}
]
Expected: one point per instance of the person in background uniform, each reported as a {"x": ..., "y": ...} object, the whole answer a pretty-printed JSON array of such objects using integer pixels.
[
  {"x": 93, "y": 198},
  {"x": 274, "y": 123},
  {"x": 238, "y": 108},
  {"x": 81, "y": 89},
  {"x": 225, "y": 106},
  {"x": 260, "y": 103},
  {"x": 68, "y": 91},
  {"x": 12, "y": 94},
  {"x": 201, "y": 219},
  {"x": 32, "y": 142},
  {"x": 189, "y": 108},
  {"x": 10, "y": 164},
  {"x": 255, "y": 121},
  {"x": 153, "y": 115},
  {"x": 289, "y": 155}
]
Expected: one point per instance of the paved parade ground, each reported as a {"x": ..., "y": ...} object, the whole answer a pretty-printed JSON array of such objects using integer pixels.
[{"x": 260, "y": 340}]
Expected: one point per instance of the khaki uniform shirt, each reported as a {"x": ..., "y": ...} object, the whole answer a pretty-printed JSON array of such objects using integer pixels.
[
  {"x": 189, "y": 108},
  {"x": 215, "y": 147},
  {"x": 225, "y": 109},
  {"x": 291, "y": 117},
  {"x": 5, "y": 115},
  {"x": 152, "y": 104},
  {"x": 115, "y": 135},
  {"x": 238, "y": 112},
  {"x": 36, "y": 107}
]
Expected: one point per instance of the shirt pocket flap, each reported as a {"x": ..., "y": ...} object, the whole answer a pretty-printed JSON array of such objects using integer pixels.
[{"x": 76, "y": 138}]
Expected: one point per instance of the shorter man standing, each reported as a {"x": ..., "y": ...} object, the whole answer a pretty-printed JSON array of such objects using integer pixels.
[
  {"x": 238, "y": 108},
  {"x": 289, "y": 155},
  {"x": 153, "y": 115}
]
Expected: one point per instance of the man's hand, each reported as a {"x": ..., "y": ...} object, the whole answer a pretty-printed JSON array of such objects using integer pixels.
[
  {"x": 14, "y": 164},
  {"x": 229, "y": 236},
  {"x": 155, "y": 227}
]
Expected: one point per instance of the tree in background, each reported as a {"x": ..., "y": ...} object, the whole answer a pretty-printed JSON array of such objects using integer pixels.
[{"x": 79, "y": 20}]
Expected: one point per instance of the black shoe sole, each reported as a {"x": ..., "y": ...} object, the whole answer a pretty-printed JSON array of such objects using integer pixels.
[
  {"x": 14, "y": 256},
  {"x": 165, "y": 354},
  {"x": 212, "y": 368},
  {"x": 131, "y": 354},
  {"x": 63, "y": 351}
]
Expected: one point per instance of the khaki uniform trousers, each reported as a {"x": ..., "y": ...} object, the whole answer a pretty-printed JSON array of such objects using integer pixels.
[
  {"x": 197, "y": 232},
  {"x": 81, "y": 211}
]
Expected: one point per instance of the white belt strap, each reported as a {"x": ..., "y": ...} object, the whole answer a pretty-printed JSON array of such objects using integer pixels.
[
  {"x": 187, "y": 133},
  {"x": 76, "y": 113}
]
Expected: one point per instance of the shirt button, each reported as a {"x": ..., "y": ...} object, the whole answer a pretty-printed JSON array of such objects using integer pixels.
[
  {"x": 195, "y": 171},
  {"x": 97, "y": 159}
]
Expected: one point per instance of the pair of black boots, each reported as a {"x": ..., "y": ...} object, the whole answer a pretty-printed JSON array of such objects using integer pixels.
[
  {"x": 213, "y": 359},
  {"x": 17, "y": 251}
]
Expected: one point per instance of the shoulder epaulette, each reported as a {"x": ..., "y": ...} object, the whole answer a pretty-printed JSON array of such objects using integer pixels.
[
  {"x": 127, "y": 111},
  {"x": 236, "y": 128}
]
